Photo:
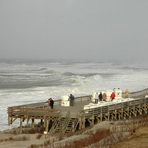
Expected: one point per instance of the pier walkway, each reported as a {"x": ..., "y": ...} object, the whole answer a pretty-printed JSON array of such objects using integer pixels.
[{"x": 64, "y": 119}]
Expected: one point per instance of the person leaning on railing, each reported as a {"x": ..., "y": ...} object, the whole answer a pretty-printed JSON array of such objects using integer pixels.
[
  {"x": 126, "y": 93},
  {"x": 50, "y": 103},
  {"x": 104, "y": 97}
]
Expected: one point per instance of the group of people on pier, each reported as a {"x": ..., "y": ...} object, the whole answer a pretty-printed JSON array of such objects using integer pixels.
[
  {"x": 100, "y": 97},
  {"x": 103, "y": 97},
  {"x": 71, "y": 99}
]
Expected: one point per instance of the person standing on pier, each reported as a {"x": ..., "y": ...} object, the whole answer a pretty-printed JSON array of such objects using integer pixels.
[
  {"x": 126, "y": 93},
  {"x": 113, "y": 96},
  {"x": 100, "y": 96},
  {"x": 71, "y": 98},
  {"x": 51, "y": 103},
  {"x": 104, "y": 97}
]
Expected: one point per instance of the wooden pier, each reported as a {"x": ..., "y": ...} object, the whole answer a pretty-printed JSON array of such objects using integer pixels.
[{"x": 63, "y": 119}]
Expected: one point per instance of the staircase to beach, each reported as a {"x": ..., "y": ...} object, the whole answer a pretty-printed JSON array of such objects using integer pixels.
[{"x": 64, "y": 125}]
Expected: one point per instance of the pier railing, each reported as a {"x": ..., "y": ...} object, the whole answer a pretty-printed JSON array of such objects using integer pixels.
[
  {"x": 139, "y": 94},
  {"x": 38, "y": 110},
  {"x": 123, "y": 110},
  {"x": 31, "y": 112}
]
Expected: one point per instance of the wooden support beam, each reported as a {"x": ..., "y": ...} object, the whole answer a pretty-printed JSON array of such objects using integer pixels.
[
  {"x": 122, "y": 113},
  {"x": 119, "y": 114},
  {"x": 9, "y": 120},
  {"x": 83, "y": 122},
  {"x": 92, "y": 120},
  {"x": 101, "y": 117},
  {"x": 144, "y": 109},
  {"x": 47, "y": 125},
  {"x": 44, "y": 121},
  {"x": 80, "y": 123},
  {"x": 21, "y": 121},
  {"x": 73, "y": 127},
  {"x": 115, "y": 114},
  {"x": 41, "y": 122},
  {"x": 97, "y": 119},
  {"x": 32, "y": 124},
  {"x": 89, "y": 121},
  {"x": 28, "y": 120}
]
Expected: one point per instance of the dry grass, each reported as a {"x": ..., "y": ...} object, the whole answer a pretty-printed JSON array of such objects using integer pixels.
[
  {"x": 91, "y": 139},
  {"x": 38, "y": 136},
  {"x": 16, "y": 138},
  {"x": 22, "y": 138},
  {"x": 34, "y": 146},
  {"x": 106, "y": 137},
  {"x": 44, "y": 145}
]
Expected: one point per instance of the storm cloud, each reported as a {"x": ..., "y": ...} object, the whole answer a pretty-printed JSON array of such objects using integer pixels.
[{"x": 74, "y": 29}]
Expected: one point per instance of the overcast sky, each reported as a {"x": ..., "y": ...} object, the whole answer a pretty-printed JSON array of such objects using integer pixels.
[{"x": 74, "y": 29}]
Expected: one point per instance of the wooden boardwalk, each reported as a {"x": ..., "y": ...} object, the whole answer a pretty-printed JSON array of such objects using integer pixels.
[{"x": 69, "y": 119}]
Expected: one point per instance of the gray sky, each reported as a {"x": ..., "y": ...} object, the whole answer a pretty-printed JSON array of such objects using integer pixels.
[{"x": 74, "y": 29}]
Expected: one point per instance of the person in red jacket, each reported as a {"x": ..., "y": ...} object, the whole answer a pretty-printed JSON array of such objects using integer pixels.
[{"x": 113, "y": 96}]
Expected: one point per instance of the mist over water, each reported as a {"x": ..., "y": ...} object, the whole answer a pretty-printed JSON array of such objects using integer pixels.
[{"x": 23, "y": 82}]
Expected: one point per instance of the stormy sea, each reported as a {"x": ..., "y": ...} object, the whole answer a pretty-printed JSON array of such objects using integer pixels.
[{"x": 24, "y": 82}]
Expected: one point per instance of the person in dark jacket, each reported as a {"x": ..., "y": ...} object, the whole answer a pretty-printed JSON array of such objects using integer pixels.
[
  {"x": 100, "y": 96},
  {"x": 50, "y": 103},
  {"x": 71, "y": 98}
]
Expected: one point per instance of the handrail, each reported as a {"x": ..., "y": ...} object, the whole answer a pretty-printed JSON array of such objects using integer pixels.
[{"x": 32, "y": 111}]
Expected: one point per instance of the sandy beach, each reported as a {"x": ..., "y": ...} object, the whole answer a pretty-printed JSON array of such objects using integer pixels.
[
  {"x": 138, "y": 140},
  {"x": 17, "y": 141}
]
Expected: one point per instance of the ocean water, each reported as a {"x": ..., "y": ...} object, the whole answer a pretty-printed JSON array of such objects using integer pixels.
[{"x": 23, "y": 82}]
